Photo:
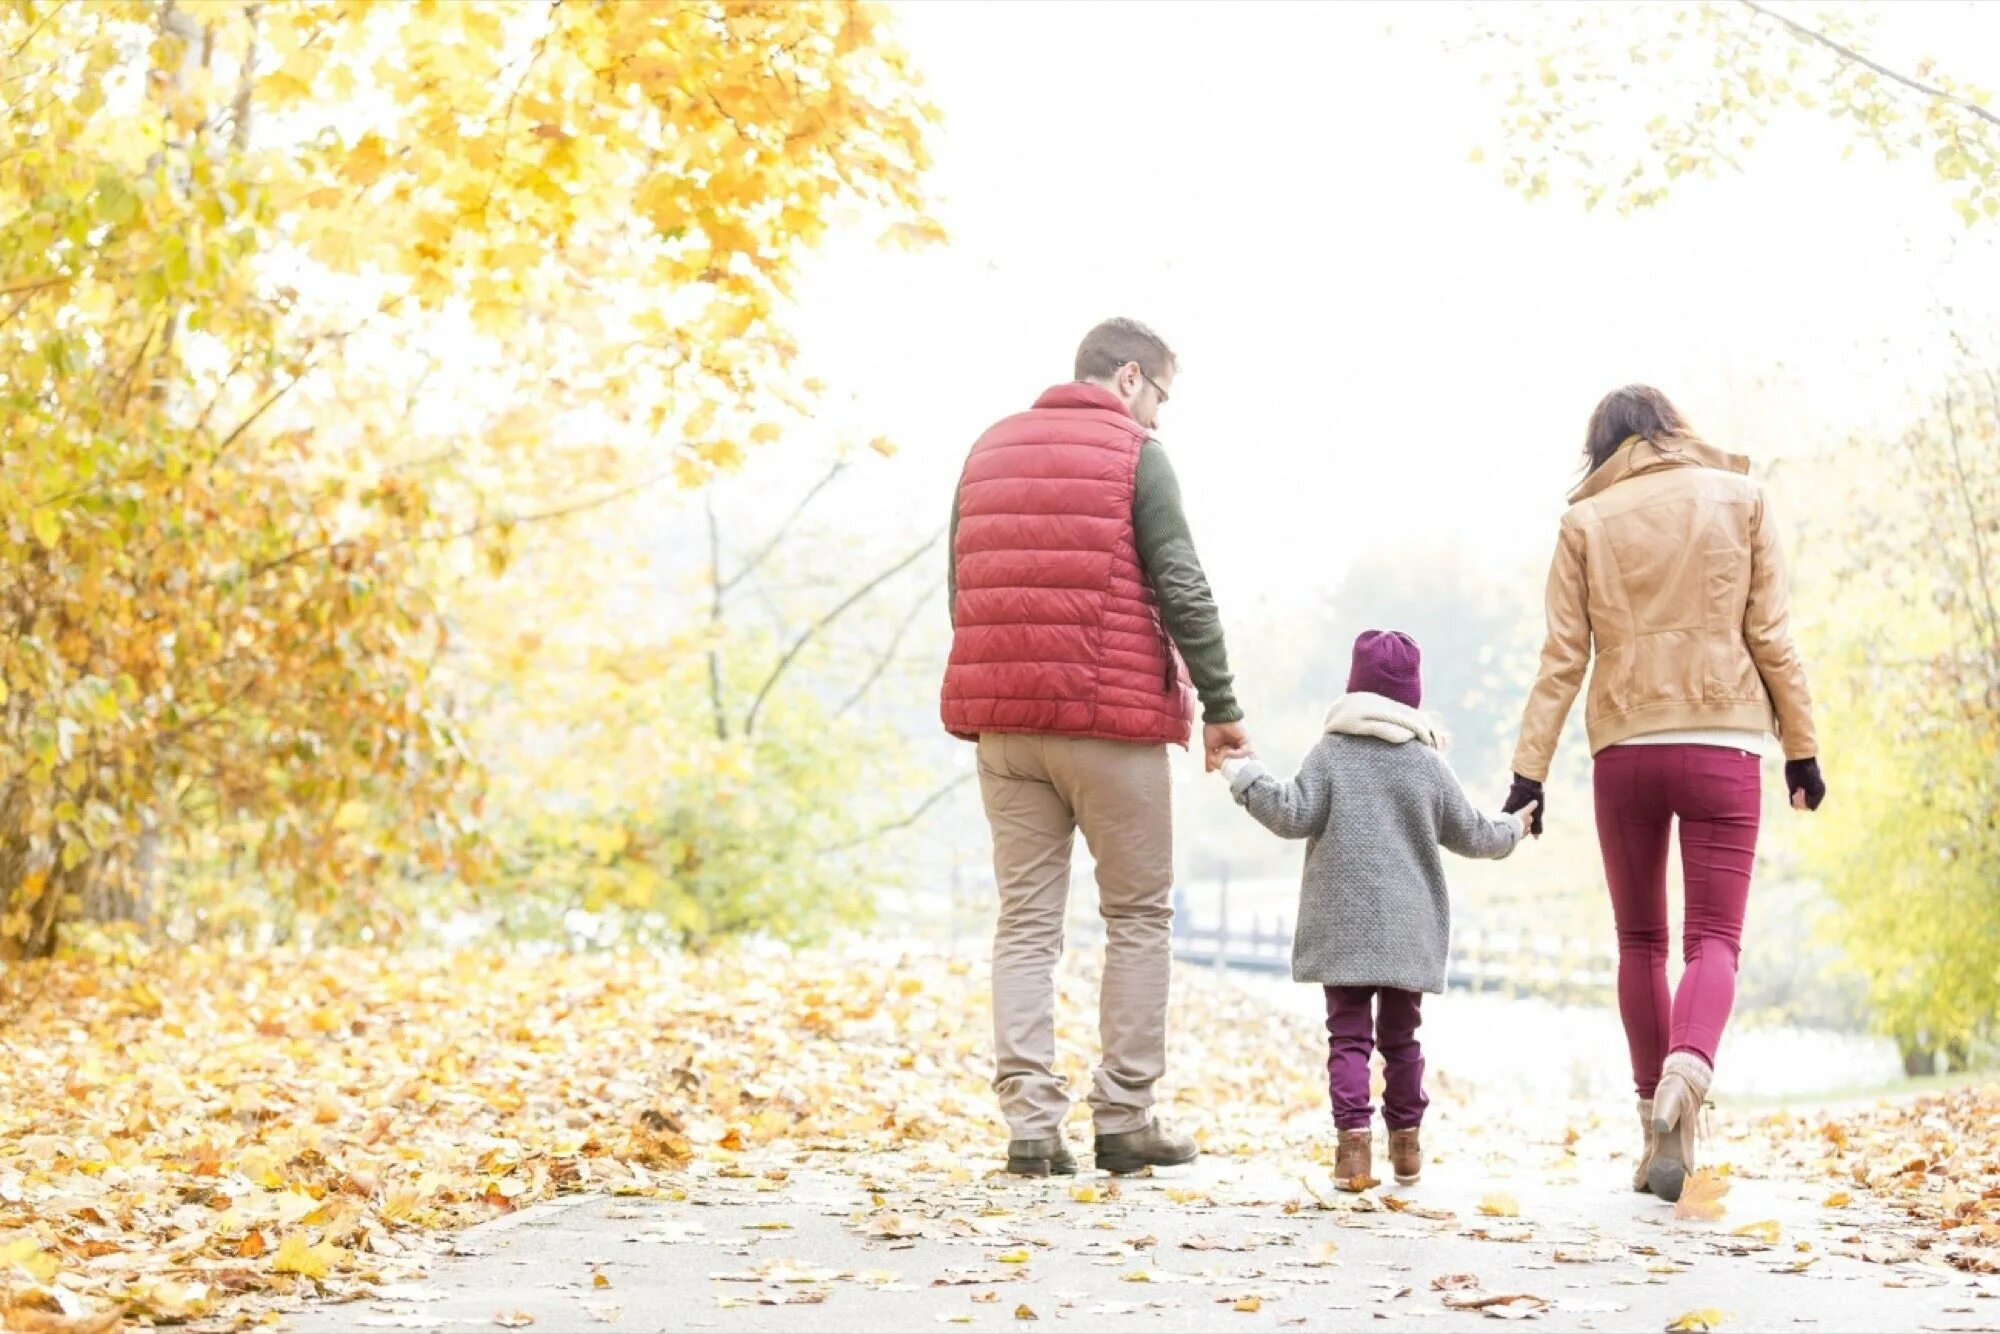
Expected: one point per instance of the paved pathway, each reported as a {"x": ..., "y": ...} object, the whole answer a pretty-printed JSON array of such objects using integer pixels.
[{"x": 827, "y": 1241}]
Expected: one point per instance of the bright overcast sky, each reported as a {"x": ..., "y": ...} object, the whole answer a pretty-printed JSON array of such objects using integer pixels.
[{"x": 1380, "y": 344}]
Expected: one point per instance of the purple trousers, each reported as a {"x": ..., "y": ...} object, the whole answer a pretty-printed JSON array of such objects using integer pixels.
[
  {"x": 1358, "y": 1020},
  {"x": 1715, "y": 793}
]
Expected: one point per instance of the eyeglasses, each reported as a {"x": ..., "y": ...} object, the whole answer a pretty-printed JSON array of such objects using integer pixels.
[{"x": 1155, "y": 383}]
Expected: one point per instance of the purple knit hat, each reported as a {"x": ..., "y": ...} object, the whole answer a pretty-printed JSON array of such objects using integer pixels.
[{"x": 1388, "y": 663}]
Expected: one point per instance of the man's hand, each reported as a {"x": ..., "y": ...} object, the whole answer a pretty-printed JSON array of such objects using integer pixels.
[{"x": 1218, "y": 739}]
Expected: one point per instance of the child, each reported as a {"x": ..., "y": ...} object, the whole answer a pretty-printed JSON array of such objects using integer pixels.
[{"x": 1374, "y": 800}]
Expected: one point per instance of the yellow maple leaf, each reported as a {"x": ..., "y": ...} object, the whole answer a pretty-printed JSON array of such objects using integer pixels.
[
  {"x": 297, "y": 1256},
  {"x": 25, "y": 1254},
  {"x": 1701, "y": 1197},
  {"x": 1249, "y": 1305},
  {"x": 1765, "y": 1231},
  {"x": 1498, "y": 1205},
  {"x": 1697, "y": 1322}
]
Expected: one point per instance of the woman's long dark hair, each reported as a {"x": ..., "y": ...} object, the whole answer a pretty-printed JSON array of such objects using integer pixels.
[{"x": 1637, "y": 409}]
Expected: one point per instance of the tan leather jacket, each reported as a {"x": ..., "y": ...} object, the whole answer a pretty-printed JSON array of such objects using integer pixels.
[{"x": 1668, "y": 573}]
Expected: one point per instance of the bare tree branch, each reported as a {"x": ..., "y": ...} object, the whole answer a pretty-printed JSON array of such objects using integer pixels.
[
  {"x": 880, "y": 831},
  {"x": 47, "y": 19},
  {"x": 715, "y": 615},
  {"x": 1847, "y": 53},
  {"x": 246, "y": 84},
  {"x": 1990, "y": 624},
  {"x": 514, "y": 520},
  {"x": 36, "y": 284},
  {"x": 201, "y": 423},
  {"x": 888, "y": 654},
  {"x": 507, "y": 120},
  {"x": 838, "y": 610},
  {"x": 228, "y": 441},
  {"x": 763, "y": 553}
]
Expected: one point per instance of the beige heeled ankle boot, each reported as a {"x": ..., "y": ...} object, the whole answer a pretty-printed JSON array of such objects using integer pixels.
[
  {"x": 1677, "y": 1103},
  {"x": 1639, "y": 1173}
]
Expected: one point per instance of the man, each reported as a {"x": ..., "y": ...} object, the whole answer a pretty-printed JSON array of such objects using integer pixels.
[{"x": 1076, "y": 597}]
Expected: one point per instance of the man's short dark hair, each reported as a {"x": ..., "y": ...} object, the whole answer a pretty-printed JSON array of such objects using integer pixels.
[{"x": 1117, "y": 341}]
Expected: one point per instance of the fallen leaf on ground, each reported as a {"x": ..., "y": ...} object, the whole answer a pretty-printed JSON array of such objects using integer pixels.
[
  {"x": 1765, "y": 1231},
  {"x": 513, "y": 1320},
  {"x": 1025, "y": 1312},
  {"x": 1248, "y": 1305},
  {"x": 1397, "y": 1204},
  {"x": 1497, "y": 1205},
  {"x": 894, "y": 1227},
  {"x": 297, "y": 1256},
  {"x": 1520, "y": 1303},
  {"x": 1696, "y": 1322},
  {"x": 1455, "y": 1283},
  {"x": 1701, "y": 1197}
]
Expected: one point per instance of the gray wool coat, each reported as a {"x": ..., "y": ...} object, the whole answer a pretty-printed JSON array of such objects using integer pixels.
[{"x": 1374, "y": 801}]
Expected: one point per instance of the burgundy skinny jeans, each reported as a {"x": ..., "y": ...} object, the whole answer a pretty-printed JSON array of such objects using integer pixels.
[{"x": 1716, "y": 794}]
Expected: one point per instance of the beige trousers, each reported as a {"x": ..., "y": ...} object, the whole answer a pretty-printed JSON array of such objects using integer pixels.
[{"x": 1039, "y": 790}]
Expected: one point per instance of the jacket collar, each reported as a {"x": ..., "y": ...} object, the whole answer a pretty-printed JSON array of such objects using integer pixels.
[
  {"x": 1639, "y": 456},
  {"x": 1365, "y": 714},
  {"x": 1081, "y": 394}
]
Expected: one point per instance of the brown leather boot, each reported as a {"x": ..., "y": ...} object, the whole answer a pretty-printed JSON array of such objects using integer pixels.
[
  {"x": 1135, "y": 1150},
  {"x": 1406, "y": 1155},
  {"x": 1354, "y": 1160},
  {"x": 1677, "y": 1102},
  {"x": 1639, "y": 1181},
  {"x": 1048, "y": 1155}
]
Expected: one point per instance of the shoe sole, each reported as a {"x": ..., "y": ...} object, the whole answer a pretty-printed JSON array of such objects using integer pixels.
[
  {"x": 1410, "y": 1180},
  {"x": 1040, "y": 1167},
  {"x": 1668, "y": 1174},
  {"x": 1119, "y": 1167}
]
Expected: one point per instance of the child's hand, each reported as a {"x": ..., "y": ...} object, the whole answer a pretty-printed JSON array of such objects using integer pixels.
[
  {"x": 1232, "y": 762},
  {"x": 1526, "y": 815}
]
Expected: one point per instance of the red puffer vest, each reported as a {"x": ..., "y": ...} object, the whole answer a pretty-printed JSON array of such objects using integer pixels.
[{"x": 1057, "y": 630}]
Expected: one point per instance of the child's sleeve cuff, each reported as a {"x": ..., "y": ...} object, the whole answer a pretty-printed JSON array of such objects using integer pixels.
[{"x": 1241, "y": 773}]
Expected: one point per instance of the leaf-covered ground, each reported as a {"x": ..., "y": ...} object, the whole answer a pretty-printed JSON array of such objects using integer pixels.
[{"x": 211, "y": 1138}]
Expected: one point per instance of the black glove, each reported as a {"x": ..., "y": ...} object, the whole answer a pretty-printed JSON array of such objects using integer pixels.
[
  {"x": 1803, "y": 776},
  {"x": 1524, "y": 791}
]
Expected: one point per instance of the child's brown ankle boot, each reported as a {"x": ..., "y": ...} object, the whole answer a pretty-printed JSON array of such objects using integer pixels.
[
  {"x": 1406, "y": 1155},
  {"x": 1354, "y": 1161}
]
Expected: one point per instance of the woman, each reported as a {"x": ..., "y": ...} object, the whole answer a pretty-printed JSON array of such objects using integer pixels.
[{"x": 1668, "y": 584}]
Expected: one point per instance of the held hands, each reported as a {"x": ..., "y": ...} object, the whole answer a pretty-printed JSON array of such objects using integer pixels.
[
  {"x": 1222, "y": 741},
  {"x": 1526, "y": 799},
  {"x": 1527, "y": 817}
]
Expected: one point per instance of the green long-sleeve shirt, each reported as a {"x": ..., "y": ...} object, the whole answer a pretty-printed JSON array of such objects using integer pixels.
[{"x": 1166, "y": 553}]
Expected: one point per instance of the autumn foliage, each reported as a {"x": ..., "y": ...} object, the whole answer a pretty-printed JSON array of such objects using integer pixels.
[{"x": 306, "y": 310}]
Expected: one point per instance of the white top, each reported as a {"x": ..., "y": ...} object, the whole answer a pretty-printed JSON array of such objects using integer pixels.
[{"x": 1728, "y": 738}]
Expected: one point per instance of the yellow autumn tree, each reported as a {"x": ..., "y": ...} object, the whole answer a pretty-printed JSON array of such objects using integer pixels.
[{"x": 307, "y": 309}]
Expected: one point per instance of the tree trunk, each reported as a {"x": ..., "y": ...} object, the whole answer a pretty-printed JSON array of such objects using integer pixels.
[{"x": 1917, "y": 1060}]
